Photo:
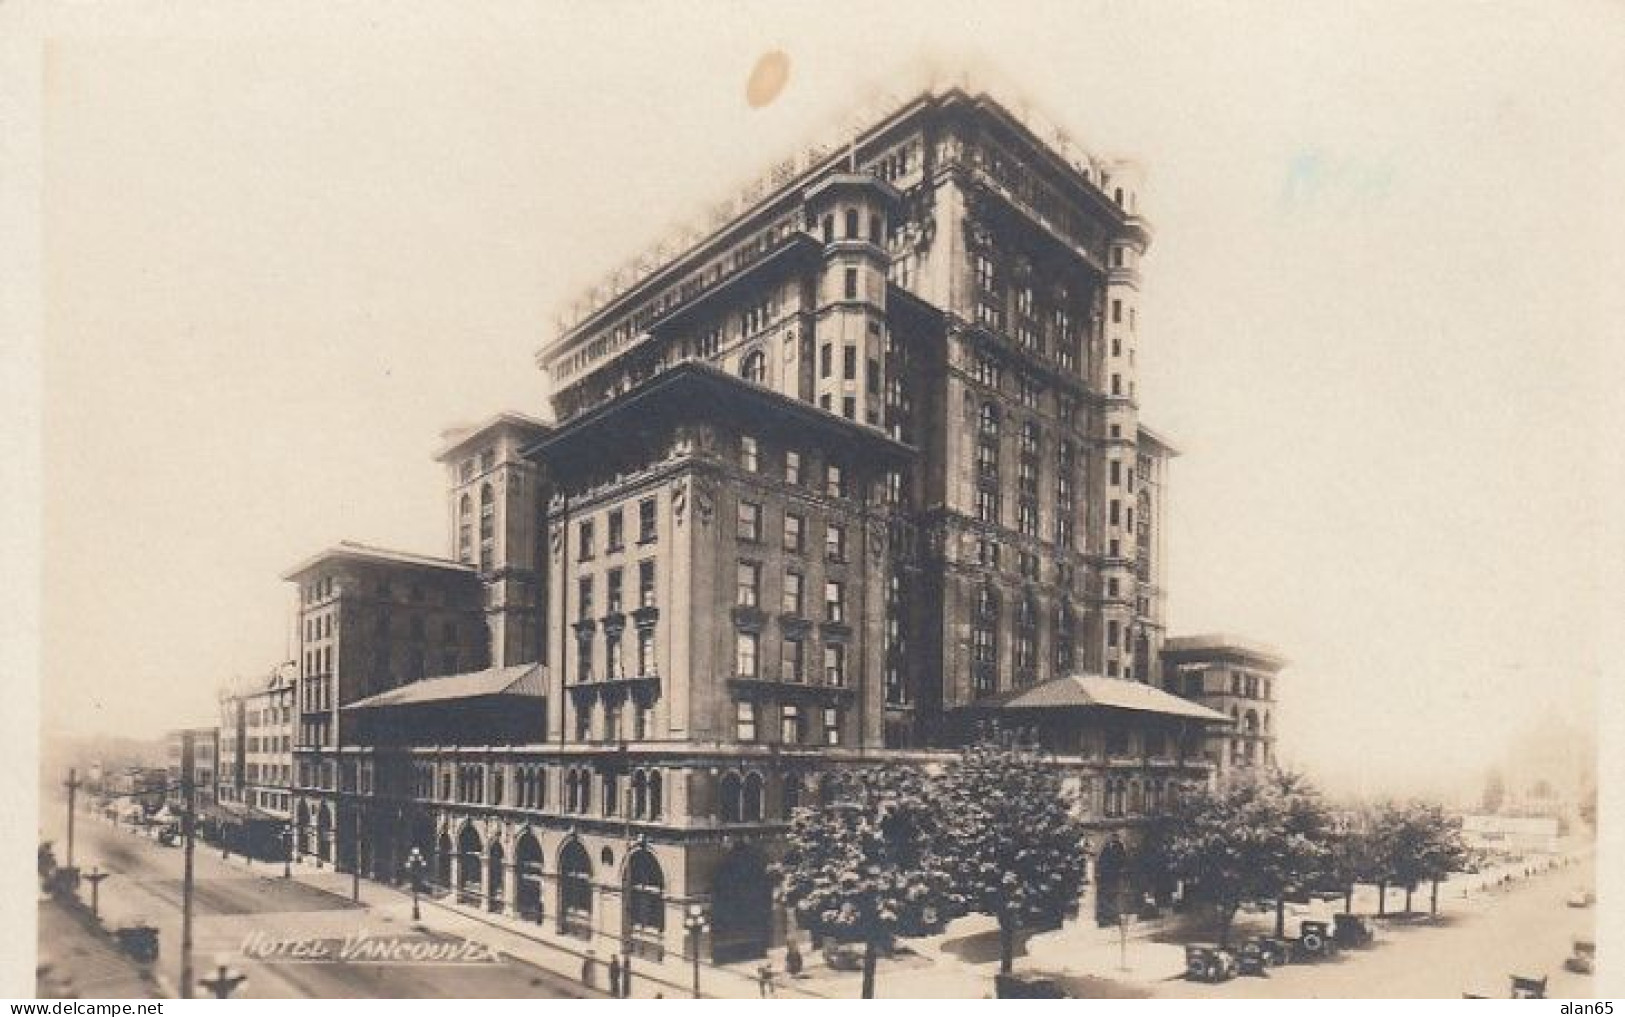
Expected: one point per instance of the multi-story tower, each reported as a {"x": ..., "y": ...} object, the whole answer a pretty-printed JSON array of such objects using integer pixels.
[
  {"x": 1235, "y": 677},
  {"x": 495, "y": 497}
]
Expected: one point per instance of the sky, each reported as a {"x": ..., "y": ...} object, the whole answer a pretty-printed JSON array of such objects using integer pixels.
[{"x": 285, "y": 246}]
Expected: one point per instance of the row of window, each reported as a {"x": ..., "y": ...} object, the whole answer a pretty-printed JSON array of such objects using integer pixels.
[
  {"x": 793, "y": 666},
  {"x": 793, "y": 723},
  {"x": 793, "y": 602},
  {"x": 614, "y": 591},
  {"x": 615, "y": 531}
]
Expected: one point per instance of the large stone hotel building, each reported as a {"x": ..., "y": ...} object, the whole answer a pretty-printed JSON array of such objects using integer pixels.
[{"x": 850, "y": 474}]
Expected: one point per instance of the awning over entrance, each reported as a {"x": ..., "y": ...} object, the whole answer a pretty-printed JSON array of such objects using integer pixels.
[
  {"x": 528, "y": 681},
  {"x": 1083, "y": 691}
]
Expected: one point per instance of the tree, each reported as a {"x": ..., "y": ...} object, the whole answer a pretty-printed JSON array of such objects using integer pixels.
[
  {"x": 1252, "y": 840},
  {"x": 862, "y": 865},
  {"x": 1418, "y": 842},
  {"x": 1356, "y": 855},
  {"x": 1011, "y": 844}
]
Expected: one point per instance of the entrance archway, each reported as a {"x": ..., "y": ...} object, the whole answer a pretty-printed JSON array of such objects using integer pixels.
[
  {"x": 645, "y": 920},
  {"x": 527, "y": 858},
  {"x": 575, "y": 890},
  {"x": 495, "y": 877},
  {"x": 1111, "y": 882},
  {"x": 470, "y": 855},
  {"x": 741, "y": 908}
]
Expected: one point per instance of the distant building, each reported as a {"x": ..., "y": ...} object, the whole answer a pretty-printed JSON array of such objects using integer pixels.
[
  {"x": 1517, "y": 835},
  {"x": 254, "y": 790},
  {"x": 1238, "y": 678},
  {"x": 195, "y": 752}
]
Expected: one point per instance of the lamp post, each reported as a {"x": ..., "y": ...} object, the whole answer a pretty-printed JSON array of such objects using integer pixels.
[
  {"x": 225, "y": 980},
  {"x": 414, "y": 869},
  {"x": 695, "y": 921},
  {"x": 94, "y": 878}
]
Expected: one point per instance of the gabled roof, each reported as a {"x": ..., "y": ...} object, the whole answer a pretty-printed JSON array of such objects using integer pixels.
[
  {"x": 1081, "y": 691},
  {"x": 527, "y": 681}
]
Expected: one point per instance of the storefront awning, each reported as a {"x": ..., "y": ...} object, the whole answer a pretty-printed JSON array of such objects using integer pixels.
[{"x": 528, "y": 681}]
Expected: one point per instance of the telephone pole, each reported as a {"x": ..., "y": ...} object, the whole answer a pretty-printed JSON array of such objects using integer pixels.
[
  {"x": 73, "y": 784},
  {"x": 189, "y": 796}
]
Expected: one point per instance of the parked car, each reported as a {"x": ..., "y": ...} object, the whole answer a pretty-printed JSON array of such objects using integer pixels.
[
  {"x": 139, "y": 939},
  {"x": 1209, "y": 964},
  {"x": 1528, "y": 987},
  {"x": 1351, "y": 930},
  {"x": 1018, "y": 987},
  {"x": 1315, "y": 941},
  {"x": 1582, "y": 959}
]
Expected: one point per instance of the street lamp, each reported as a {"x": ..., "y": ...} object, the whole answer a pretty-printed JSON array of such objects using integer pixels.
[
  {"x": 225, "y": 979},
  {"x": 695, "y": 921},
  {"x": 287, "y": 850},
  {"x": 414, "y": 868},
  {"x": 94, "y": 878}
]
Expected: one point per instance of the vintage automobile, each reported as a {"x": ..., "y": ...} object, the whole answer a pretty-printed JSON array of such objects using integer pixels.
[
  {"x": 1352, "y": 930},
  {"x": 1017, "y": 987},
  {"x": 1314, "y": 941},
  {"x": 1209, "y": 964},
  {"x": 1582, "y": 958},
  {"x": 1528, "y": 987},
  {"x": 139, "y": 939},
  {"x": 843, "y": 956}
]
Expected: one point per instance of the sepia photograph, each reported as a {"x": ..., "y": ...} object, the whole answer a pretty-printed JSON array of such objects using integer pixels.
[{"x": 739, "y": 500}]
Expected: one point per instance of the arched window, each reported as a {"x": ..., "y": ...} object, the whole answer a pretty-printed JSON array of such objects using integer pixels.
[
  {"x": 645, "y": 891},
  {"x": 751, "y": 805},
  {"x": 792, "y": 795},
  {"x": 488, "y": 526},
  {"x": 575, "y": 888},
  {"x": 728, "y": 804},
  {"x": 754, "y": 367}
]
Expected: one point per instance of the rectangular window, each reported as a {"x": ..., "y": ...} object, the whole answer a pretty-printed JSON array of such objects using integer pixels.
[
  {"x": 834, "y": 481},
  {"x": 835, "y": 543},
  {"x": 1115, "y": 467},
  {"x": 584, "y": 597},
  {"x": 745, "y": 721},
  {"x": 616, "y": 538},
  {"x": 792, "y": 467},
  {"x": 646, "y": 651},
  {"x": 850, "y": 290},
  {"x": 745, "y": 644},
  {"x": 790, "y": 724},
  {"x": 832, "y": 725},
  {"x": 612, "y": 592},
  {"x": 795, "y": 660},
  {"x": 584, "y": 661},
  {"x": 748, "y": 454},
  {"x": 750, "y": 522},
  {"x": 795, "y": 594},
  {"x": 646, "y": 521},
  {"x": 849, "y": 363},
  {"x": 646, "y": 584},
  {"x": 825, "y": 360},
  {"x": 1117, "y": 311},
  {"x": 588, "y": 546},
  {"x": 1114, "y": 511},
  {"x": 834, "y": 603},
  {"x": 1111, "y": 633},
  {"x": 987, "y": 505},
  {"x": 748, "y": 584},
  {"x": 835, "y": 665},
  {"x": 849, "y": 408},
  {"x": 795, "y": 528}
]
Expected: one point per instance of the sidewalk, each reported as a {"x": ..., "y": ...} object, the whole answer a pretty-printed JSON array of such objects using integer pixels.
[{"x": 537, "y": 944}]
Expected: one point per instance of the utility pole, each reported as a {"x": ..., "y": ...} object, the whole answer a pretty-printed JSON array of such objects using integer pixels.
[
  {"x": 189, "y": 796},
  {"x": 73, "y": 784}
]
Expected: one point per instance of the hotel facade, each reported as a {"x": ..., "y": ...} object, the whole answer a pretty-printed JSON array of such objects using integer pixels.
[{"x": 846, "y": 476}]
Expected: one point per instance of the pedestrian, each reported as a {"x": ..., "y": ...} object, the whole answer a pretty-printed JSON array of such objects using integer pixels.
[
  {"x": 615, "y": 975},
  {"x": 626, "y": 976},
  {"x": 589, "y": 969},
  {"x": 764, "y": 980}
]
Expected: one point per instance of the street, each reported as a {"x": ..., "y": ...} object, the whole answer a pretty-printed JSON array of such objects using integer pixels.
[
  {"x": 1525, "y": 928},
  {"x": 233, "y": 907}
]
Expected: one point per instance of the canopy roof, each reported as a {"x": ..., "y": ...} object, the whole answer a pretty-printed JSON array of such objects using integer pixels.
[
  {"x": 523, "y": 680},
  {"x": 1080, "y": 691}
]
